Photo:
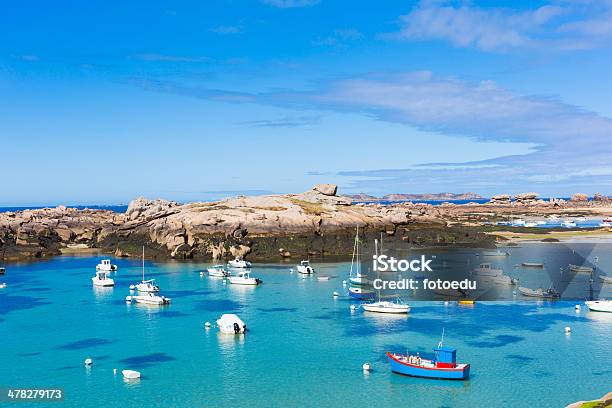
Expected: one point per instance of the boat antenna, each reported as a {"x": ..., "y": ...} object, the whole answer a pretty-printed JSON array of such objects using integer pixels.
[{"x": 442, "y": 339}]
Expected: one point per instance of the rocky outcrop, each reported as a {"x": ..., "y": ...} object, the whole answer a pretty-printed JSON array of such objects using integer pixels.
[
  {"x": 580, "y": 197},
  {"x": 501, "y": 199},
  {"x": 326, "y": 189},
  {"x": 599, "y": 197},
  {"x": 526, "y": 198},
  {"x": 313, "y": 223}
]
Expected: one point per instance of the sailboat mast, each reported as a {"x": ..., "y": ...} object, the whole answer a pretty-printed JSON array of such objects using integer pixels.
[{"x": 143, "y": 263}]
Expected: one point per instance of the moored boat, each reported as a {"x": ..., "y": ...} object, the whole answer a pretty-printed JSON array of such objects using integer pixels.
[
  {"x": 539, "y": 293},
  {"x": 102, "y": 279},
  {"x": 231, "y": 324},
  {"x": 145, "y": 285},
  {"x": 580, "y": 269},
  {"x": 2, "y": 270},
  {"x": 238, "y": 262},
  {"x": 606, "y": 279},
  {"x": 2, "y": 285},
  {"x": 244, "y": 278},
  {"x": 568, "y": 224},
  {"x": 149, "y": 298},
  {"x": 386, "y": 307},
  {"x": 443, "y": 366},
  {"x": 495, "y": 253},
  {"x": 360, "y": 293},
  {"x": 217, "y": 271},
  {"x": 599, "y": 305},
  {"x": 304, "y": 268},
  {"x": 105, "y": 265},
  {"x": 533, "y": 264}
]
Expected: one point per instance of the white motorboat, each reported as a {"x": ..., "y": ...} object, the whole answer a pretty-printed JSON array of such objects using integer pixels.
[
  {"x": 487, "y": 274},
  {"x": 518, "y": 222},
  {"x": 531, "y": 224},
  {"x": 217, "y": 271},
  {"x": 105, "y": 265},
  {"x": 541, "y": 222},
  {"x": 323, "y": 277},
  {"x": 539, "y": 293},
  {"x": 145, "y": 285},
  {"x": 238, "y": 262},
  {"x": 605, "y": 224},
  {"x": 149, "y": 298},
  {"x": 580, "y": 269},
  {"x": 2, "y": 285},
  {"x": 244, "y": 278},
  {"x": 386, "y": 307},
  {"x": 305, "y": 268},
  {"x": 599, "y": 305},
  {"x": 231, "y": 324},
  {"x": 102, "y": 279},
  {"x": 130, "y": 374},
  {"x": 606, "y": 279},
  {"x": 568, "y": 224}
]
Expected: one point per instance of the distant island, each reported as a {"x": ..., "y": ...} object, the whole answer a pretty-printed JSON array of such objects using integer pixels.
[{"x": 416, "y": 197}]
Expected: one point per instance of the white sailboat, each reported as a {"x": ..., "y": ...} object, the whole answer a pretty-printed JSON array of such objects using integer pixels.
[
  {"x": 486, "y": 273},
  {"x": 148, "y": 297},
  {"x": 102, "y": 279},
  {"x": 145, "y": 285},
  {"x": 355, "y": 275}
]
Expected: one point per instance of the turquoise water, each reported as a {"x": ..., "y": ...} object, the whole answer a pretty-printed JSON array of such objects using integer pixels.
[{"x": 304, "y": 348}]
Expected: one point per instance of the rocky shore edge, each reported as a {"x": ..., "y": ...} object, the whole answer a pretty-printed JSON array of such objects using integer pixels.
[{"x": 317, "y": 224}]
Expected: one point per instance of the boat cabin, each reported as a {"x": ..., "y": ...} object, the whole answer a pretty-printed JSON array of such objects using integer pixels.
[
  {"x": 101, "y": 275},
  {"x": 485, "y": 266},
  {"x": 445, "y": 357},
  {"x": 305, "y": 263}
]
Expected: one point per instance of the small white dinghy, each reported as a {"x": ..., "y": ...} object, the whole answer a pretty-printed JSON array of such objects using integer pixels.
[
  {"x": 599, "y": 305},
  {"x": 231, "y": 324},
  {"x": 217, "y": 271},
  {"x": 239, "y": 263},
  {"x": 102, "y": 279},
  {"x": 304, "y": 268},
  {"x": 130, "y": 374},
  {"x": 2, "y": 285},
  {"x": 105, "y": 265},
  {"x": 244, "y": 278}
]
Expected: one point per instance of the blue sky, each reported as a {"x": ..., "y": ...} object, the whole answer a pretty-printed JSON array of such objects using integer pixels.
[{"x": 190, "y": 100}]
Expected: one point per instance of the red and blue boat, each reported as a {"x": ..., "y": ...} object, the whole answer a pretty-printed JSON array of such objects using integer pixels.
[{"x": 443, "y": 366}]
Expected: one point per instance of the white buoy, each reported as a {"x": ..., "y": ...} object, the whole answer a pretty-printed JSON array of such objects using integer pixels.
[
  {"x": 114, "y": 371},
  {"x": 344, "y": 283},
  {"x": 577, "y": 308},
  {"x": 201, "y": 273},
  {"x": 353, "y": 308},
  {"x": 88, "y": 361},
  {"x": 336, "y": 294},
  {"x": 128, "y": 299},
  {"x": 446, "y": 303},
  {"x": 132, "y": 287},
  {"x": 366, "y": 367},
  {"x": 568, "y": 329},
  {"x": 207, "y": 325}
]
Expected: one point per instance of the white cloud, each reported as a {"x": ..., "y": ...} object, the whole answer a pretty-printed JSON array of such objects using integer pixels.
[{"x": 557, "y": 25}]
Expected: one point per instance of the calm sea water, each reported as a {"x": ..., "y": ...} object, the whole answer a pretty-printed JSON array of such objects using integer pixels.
[{"x": 304, "y": 348}]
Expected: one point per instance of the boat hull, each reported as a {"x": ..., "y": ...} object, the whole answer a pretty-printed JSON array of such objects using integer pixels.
[
  {"x": 103, "y": 283},
  {"x": 599, "y": 306},
  {"x": 305, "y": 270},
  {"x": 390, "y": 310},
  {"x": 461, "y": 372}
]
